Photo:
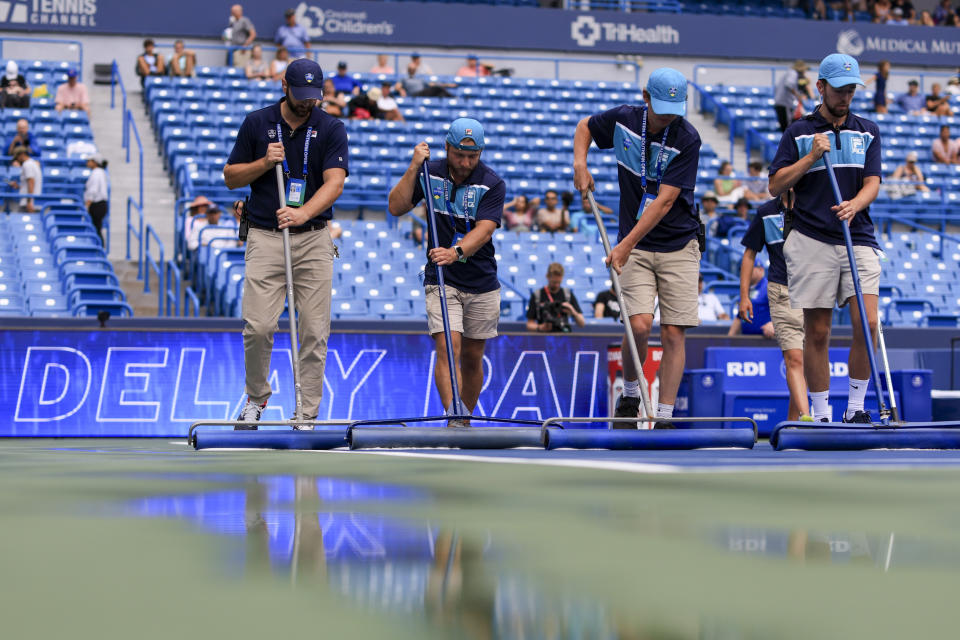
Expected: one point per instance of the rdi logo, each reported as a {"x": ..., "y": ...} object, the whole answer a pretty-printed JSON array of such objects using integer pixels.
[{"x": 754, "y": 369}]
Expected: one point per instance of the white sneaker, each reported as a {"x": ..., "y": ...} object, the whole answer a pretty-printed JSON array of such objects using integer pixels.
[
  {"x": 250, "y": 413},
  {"x": 304, "y": 427}
]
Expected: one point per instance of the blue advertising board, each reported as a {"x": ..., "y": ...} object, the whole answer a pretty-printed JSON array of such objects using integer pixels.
[
  {"x": 156, "y": 383},
  {"x": 468, "y": 27}
]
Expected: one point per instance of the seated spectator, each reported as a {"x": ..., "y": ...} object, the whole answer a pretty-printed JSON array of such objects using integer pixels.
[
  {"x": 386, "y": 105},
  {"x": 14, "y": 90},
  {"x": 727, "y": 222},
  {"x": 473, "y": 68},
  {"x": 906, "y": 10},
  {"x": 586, "y": 213},
  {"x": 709, "y": 307},
  {"x": 936, "y": 103},
  {"x": 31, "y": 178},
  {"x": 419, "y": 66},
  {"x": 291, "y": 35},
  {"x": 518, "y": 214},
  {"x": 708, "y": 207},
  {"x": 150, "y": 63},
  {"x": 344, "y": 81},
  {"x": 363, "y": 106},
  {"x": 897, "y": 19},
  {"x": 334, "y": 102},
  {"x": 942, "y": 11},
  {"x": 183, "y": 61},
  {"x": 911, "y": 101},
  {"x": 240, "y": 33},
  {"x": 383, "y": 65},
  {"x": 72, "y": 95},
  {"x": 728, "y": 188},
  {"x": 96, "y": 192},
  {"x": 257, "y": 68},
  {"x": 945, "y": 150},
  {"x": 551, "y": 217},
  {"x": 605, "y": 305},
  {"x": 22, "y": 138},
  {"x": 756, "y": 184},
  {"x": 926, "y": 19},
  {"x": 953, "y": 86},
  {"x": 908, "y": 178},
  {"x": 762, "y": 323},
  {"x": 224, "y": 235},
  {"x": 881, "y": 11},
  {"x": 414, "y": 85},
  {"x": 552, "y": 306},
  {"x": 279, "y": 63}
]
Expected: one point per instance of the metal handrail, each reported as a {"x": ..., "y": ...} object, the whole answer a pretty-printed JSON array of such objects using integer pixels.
[
  {"x": 155, "y": 265},
  {"x": 173, "y": 289}
]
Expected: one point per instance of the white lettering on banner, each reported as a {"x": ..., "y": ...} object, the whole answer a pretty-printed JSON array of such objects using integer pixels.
[
  {"x": 586, "y": 31},
  {"x": 118, "y": 407},
  {"x": 76, "y": 13},
  {"x": 839, "y": 369},
  {"x": 319, "y": 22},
  {"x": 50, "y": 359},
  {"x": 746, "y": 369},
  {"x": 850, "y": 43}
]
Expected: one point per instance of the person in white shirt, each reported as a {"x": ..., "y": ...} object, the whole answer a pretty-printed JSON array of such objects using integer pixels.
[
  {"x": 225, "y": 234},
  {"x": 709, "y": 307},
  {"x": 31, "y": 178},
  {"x": 96, "y": 193}
]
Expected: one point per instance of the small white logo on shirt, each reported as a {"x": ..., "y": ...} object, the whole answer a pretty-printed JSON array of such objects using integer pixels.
[
  {"x": 857, "y": 145},
  {"x": 271, "y": 134}
]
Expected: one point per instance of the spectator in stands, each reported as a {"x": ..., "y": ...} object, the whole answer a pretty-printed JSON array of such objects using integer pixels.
[
  {"x": 879, "y": 81},
  {"x": 897, "y": 18},
  {"x": 605, "y": 305},
  {"x": 364, "y": 105},
  {"x": 257, "y": 68},
  {"x": 881, "y": 11},
  {"x": 150, "y": 63},
  {"x": 757, "y": 309},
  {"x": 551, "y": 217},
  {"x": 334, "y": 102},
  {"x": 926, "y": 19},
  {"x": 518, "y": 214},
  {"x": 942, "y": 11},
  {"x": 291, "y": 35},
  {"x": 72, "y": 95},
  {"x": 709, "y": 307},
  {"x": 386, "y": 105},
  {"x": 240, "y": 34},
  {"x": 183, "y": 61},
  {"x": 909, "y": 179},
  {"x": 343, "y": 81},
  {"x": 14, "y": 90},
  {"x": 278, "y": 66},
  {"x": 708, "y": 207},
  {"x": 953, "y": 86},
  {"x": 912, "y": 101},
  {"x": 31, "y": 178},
  {"x": 224, "y": 235},
  {"x": 473, "y": 68},
  {"x": 383, "y": 65},
  {"x": 727, "y": 188},
  {"x": 22, "y": 138},
  {"x": 96, "y": 192},
  {"x": 937, "y": 103},
  {"x": 792, "y": 89},
  {"x": 945, "y": 150},
  {"x": 755, "y": 184},
  {"x": 741, "y": 215},
  {"x": 414, "y": 85},
  {"x": 465, "y": 224},
  {"x": 419, "y": 66},
  {"x": 552, "y": 306},
  {"x": 906, "y": 10}
]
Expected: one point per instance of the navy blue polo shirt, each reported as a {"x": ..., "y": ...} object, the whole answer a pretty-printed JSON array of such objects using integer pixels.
[
  {"x": 855, "y": 154},
  {"x": 766, "y": 230},
  {"x": 458, "y": 207},
  {"x": 328, "y": 150},
  {"x": 620, "y": 128}
]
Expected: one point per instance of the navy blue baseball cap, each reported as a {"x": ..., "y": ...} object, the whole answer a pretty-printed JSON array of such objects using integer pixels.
[
  {"x": 463, "y": 129},
  {"x": 305, "y": 79},
  {"x": 668, "y": 92},
  {"x": 840, "y": 70}
]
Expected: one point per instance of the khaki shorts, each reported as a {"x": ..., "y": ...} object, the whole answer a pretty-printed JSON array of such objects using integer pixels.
[
  {"x": 672, "y": 276},
  {"x": 787, "y": 322},
  {"x": 473, "y": 315},
  {"x": 819, "y": 273}
]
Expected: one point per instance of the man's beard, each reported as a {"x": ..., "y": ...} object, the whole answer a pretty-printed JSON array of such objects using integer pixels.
[
  {"x": 837, "y": 113},
  {"x": 301, "y": 109}
]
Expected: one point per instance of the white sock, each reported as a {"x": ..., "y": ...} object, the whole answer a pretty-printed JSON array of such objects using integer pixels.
[
  {"x": 858, "y": 390},
  {"x": 664, "y": 410},
  {"x": 631, "y": 388},
  {"x": 820, "y": 404}
]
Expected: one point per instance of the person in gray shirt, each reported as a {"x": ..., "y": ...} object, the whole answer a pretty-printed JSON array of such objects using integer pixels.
[
  {"x": 415, "y": 85},
  {"x": 239, "y": 33}
]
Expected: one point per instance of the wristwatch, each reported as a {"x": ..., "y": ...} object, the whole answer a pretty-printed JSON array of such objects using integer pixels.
[{"x": 460, "y": 256}]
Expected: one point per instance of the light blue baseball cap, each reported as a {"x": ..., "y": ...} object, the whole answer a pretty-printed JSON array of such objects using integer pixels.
[
  {"x": 466, "y": 128},
  {"x": 668, "y": 92},
  {"x": 840, "y": 70}
]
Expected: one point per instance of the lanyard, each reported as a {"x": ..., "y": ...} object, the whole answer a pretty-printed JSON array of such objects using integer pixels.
[
  {"x": 306, "y": 150},
  {"x": 643, "y": 153},
  {"x": 448, "y": 204},
  {"x": 547, "y": 291}
]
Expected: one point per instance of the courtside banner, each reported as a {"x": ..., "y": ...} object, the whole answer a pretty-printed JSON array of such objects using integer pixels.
[
  {"x": 156, "y": 383},
  {"x": 468, "y": 27}
]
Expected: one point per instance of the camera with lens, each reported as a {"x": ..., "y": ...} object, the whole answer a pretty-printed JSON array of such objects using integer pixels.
[{"x": 553, "y": 313}]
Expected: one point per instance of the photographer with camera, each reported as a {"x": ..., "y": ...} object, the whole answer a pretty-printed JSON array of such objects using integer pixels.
[{"x": 551, "y": 306}]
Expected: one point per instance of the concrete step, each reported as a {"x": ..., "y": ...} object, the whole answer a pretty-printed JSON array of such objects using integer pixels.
[{"x": 144, "y": 304}]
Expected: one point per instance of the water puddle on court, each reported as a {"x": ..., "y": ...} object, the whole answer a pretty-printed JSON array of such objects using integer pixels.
[{"x": 353, "y": 538}]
